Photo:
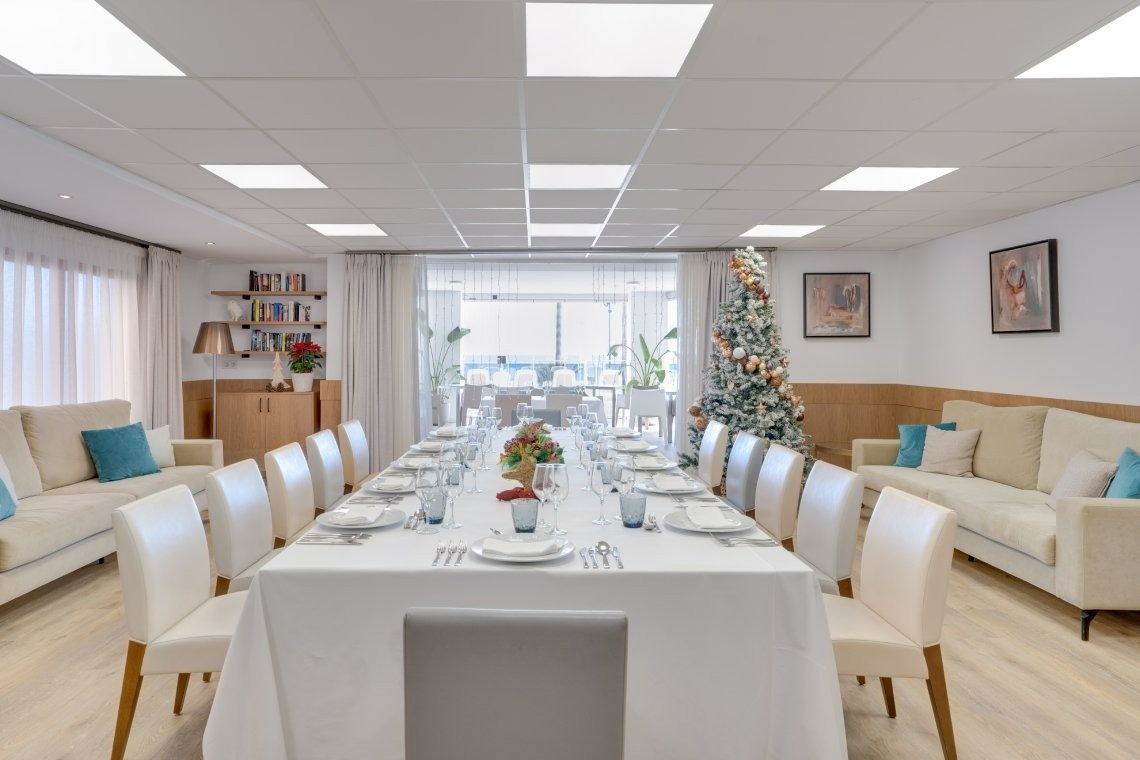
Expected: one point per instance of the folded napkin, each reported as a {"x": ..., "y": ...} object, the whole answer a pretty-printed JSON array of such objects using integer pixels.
[
  {"x": 622, "y": 432},
  {"x": 632, "y": 446},
  {"x": 414, "y": 459},
  {"x": 430, "y": 445},
  {"x": 391, "y": 482},
  {"x": 447, "y": 431},
  {"x": 506, "y": 548},
  {"x": 648, "y": 460},
  {"x": 709, "y": 517},
  {"x": 356, "y": 514},
  {"x": 671, "y": 483}
]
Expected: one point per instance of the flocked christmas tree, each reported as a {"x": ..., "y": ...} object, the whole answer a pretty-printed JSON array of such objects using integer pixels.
[{"x": 746, "y": 382}]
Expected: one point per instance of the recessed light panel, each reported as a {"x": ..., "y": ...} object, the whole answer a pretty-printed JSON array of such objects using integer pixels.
[
  {"x": 888, "y": 178},
  {"x": 77, "y": 37},
  {"x": 610, "y": 39},
  {"x": 265, "y": 176},
  {"x": 349, "y": 230},
  {"x": 782, "y": 230},
  {"x": 564, "y": 230},
  {"x": 576, "y": 176},
  {"x": 1111, "y": 51}
]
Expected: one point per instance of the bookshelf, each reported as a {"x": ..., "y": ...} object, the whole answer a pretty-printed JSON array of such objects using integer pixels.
[{"x": 278, "y": 314}]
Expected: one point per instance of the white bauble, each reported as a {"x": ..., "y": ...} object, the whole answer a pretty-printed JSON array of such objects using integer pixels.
[{"x": 738, "y": 353}]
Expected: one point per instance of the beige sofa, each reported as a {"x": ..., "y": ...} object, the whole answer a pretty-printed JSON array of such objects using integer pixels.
[
  {"x": 63, "y": 512},
  {"x": 1087, "y": 552}
]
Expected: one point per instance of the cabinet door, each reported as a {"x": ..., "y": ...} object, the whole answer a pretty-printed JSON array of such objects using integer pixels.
[
  {"x": 241, "y": 426},
  {"x": 291, "y": 417}
]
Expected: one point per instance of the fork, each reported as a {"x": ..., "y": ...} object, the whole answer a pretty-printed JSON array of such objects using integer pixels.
[
  {"x": 451, "y": 549},
  {"x": 440, "y": 548},
  {"x": 462, "y": 550}
]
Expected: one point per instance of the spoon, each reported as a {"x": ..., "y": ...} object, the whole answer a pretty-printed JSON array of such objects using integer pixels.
[
  {"x": 604, "y": 550},
  {"x": 496, "y": 532}
]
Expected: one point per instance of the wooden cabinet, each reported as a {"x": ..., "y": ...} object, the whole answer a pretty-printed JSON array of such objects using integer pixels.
[{"x": 251, "y": 424}]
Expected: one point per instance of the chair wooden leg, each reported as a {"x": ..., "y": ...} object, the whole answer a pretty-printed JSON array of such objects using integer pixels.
[
  {"x": 788, "y": 544},
  {"x": 888, "y": 695},
  {"x": 940, "y": 700},
  {"x": 180, "y": 692},
  {"x": 278, "y": 542},
  {"x": 347, "y": 488},
  {"x": 129, "y": 698},
  {"x": 206, "y": 677},
  {"x": 845, "y": 588},
  {"x": 221, "y": 586}
]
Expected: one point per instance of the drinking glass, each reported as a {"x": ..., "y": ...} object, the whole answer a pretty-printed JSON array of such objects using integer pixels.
[
  {"x": 571, "y": 413},
  {"x": 583, "y": 410},
  {"x": 428, "y": 491},
  {"x": 632, "y": 506},
  {"x": 592, "y": 417},
  {"x": 497, "y": 416},
  {"x": 452, "y": 486},
  {"x": 600, "y": 485},
  {"x": 524, "y": 515},
  {"x": 520, "y": 411},
  {"x": 586, "y": 456},
  {"x": 541, "y": 484},
  {"x": 623, "y": 473},
  {"x": 557, "y": 492}
]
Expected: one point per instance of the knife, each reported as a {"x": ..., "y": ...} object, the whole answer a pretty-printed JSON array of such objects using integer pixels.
[{"x": 617, "y": 556}]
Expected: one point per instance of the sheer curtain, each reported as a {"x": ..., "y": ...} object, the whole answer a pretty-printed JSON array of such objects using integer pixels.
[
  {"x": 161, "y": 349},
  {"x": 382, "y": 358},
  {"x": 69, "y": 316}
]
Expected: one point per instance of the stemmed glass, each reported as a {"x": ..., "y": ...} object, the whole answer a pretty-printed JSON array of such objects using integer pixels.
[
  {"x": 542, "y": 485},
  {"x": 452, "y": 486},
  {"x": 558, "y": 488},
  {"x": 497, "y": 416},
  {"x": 470, "y": 483},
  {"x": 428, "y": 490},
  {"x": 586, "y": 456},
  {"x": 599, "y": 473},
  {"x": 583, "y": 410},
  {"x": 520, "y": 412},
  {"x": 571, "y": 413}
]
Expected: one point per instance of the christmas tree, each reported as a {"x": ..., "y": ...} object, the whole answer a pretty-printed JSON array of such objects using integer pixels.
[{"x": 746, "y": 382}]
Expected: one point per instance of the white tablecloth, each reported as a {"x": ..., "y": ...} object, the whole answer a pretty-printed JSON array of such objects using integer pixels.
[{"x": 729, "y": 654}]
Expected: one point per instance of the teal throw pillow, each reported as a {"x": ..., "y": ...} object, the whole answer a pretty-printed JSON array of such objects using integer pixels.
[
  {"x": 912, "y": 440},
  {"x": 7, "y": 501},
  {"x": 120, "y": 453},
  {"x": 1126, "y": 483}
]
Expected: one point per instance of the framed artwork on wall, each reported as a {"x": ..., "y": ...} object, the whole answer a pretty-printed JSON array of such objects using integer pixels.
[
  {"x": 1023, "y": 288},
  {"x": 837, "y": 304}
]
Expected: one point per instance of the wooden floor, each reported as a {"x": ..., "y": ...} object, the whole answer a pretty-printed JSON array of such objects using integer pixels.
[{"x": 1022, "y": 683}]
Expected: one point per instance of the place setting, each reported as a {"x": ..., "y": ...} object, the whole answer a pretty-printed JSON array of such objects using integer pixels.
[
  {"x": 390, "y": 483},
  {"x": 362, "y": 514},
  {"x": 652, "y": 462},
  {"x": 669, "y": 484}
]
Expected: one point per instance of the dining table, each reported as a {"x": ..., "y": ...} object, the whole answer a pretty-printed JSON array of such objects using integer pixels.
[{"x": 728, "y": 656}]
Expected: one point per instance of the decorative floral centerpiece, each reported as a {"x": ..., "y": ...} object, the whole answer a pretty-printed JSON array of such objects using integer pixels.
[{"x": 529, "y": 447}]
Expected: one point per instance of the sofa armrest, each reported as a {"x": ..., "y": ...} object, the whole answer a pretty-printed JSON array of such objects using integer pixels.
[
  {"x": 198, "y": 451},
  {"x": 873, "y": 451},
  {"x": 1097, "y": 562}
]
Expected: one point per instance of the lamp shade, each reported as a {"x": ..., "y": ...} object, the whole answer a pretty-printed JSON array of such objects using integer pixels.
[{"x": 214, "y": 338}]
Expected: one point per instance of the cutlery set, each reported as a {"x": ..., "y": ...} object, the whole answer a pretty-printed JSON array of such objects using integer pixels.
[
  {"x": 729, "y": 541},
  {"x": 446, "y": 550},
  {"x": 334, "y": 539},
  {"x": 605, "y": 551}
]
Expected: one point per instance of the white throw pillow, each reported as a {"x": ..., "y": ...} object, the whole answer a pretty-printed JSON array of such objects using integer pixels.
[
  {"x": 1086, "y": 474},
  {"x": 7, "y": 478},
  {"x": 160, "y": 446},
  {"x": 950, "y": 452}
]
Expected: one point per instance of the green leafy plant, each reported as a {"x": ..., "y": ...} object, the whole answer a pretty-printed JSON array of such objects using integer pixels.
[
  {"x": 646, "y": 367},
  {"x": 440, "y": 373},
  {"x": 305, "y": 356}
]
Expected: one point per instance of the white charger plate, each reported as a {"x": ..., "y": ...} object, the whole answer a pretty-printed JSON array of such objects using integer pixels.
[
  {"x": 412, "y": 463},
  {"x": 372, "y": 488},
  {"x": 566, "y": 550},
  {"x": 630, "y": 446},
  {"x": 679, "y": 520},
  {"x": 387, "y": 517},
  {"x": 624, "y": 433},
  {"x": 651, "y": 488}
]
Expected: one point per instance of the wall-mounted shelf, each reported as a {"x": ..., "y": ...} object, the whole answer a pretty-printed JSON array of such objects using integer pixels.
[
  {"x": 247, "y": 324},
  {"x": 248, "y": 294},
  {"x": 247, "y": 354}
]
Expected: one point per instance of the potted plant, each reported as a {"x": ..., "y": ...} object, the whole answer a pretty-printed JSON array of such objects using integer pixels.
[
  {"x": 647, "y": 368},
  {"x": 440, "y": 373},
  {"x": 304, "y": 357}
]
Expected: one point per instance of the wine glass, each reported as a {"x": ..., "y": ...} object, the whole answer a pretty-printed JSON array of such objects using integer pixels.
[
  {"x": 452, "y": 486},
  {"x": 541, "y": 485},
  {"x": 520, "y": 412},
  {"x": 583, "y": 410},
  {"x": 586, "y": 456},
  {"x": 428, "y": 490},
  {"x": 557, "y": 492},
  {"x": 470, "y": 483},
  {"x": 600, "y": 485},
  {"x": 497, "y": 416}
]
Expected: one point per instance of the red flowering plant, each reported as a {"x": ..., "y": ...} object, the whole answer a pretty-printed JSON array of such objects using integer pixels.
[
  {"x": 305, "y": 356},
  {"x": 532, "y": 442}
]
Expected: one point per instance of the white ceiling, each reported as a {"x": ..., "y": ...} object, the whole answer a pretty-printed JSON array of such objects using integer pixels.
[{"x": 417, "y": 116}]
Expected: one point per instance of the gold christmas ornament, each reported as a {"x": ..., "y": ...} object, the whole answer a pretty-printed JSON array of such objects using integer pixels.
[
  {"x": 694, "y": 411},
  {"x": 777, "y": 381},
  {"x": 701, "y": 423}
]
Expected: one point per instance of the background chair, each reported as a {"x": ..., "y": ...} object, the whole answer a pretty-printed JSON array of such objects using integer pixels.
[
  {"x": 354, "y": 454},
  {"x": 173, "y": 624},
  {"x": 509, "y": 402},
  {"x": 501, "y": 379},
  {"x": 710, "y": 458},
  {"x": 526, "y": 378},
  {"x": 778, "y": 492},
  {"x": 743, "y": 468},
  {"x": 894, "y": 630},
  {"x": 612, "y": 379},
  {"x": 241, "y": 524},
  {"x": 827, "y": 525},
  {"x": 291, "y": 500},
  {"x": 514, "y": 684},
  {"x": 326, "y": 468},
  {"x": 470, "y": 401},
  {"x": 564, "y": 378},
  {"x": 552, "y": 417},
  {"x": 478, "y": 377},
  {"x": 650, "y": 402}
]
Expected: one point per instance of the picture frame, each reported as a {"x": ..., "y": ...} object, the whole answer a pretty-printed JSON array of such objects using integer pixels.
[
  {"x": 1023, "y": 288},
  {"x": 837, "y": 304}
]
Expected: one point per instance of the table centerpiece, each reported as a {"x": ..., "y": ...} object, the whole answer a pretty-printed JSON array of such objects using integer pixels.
[{"x": 531, "y": 445}]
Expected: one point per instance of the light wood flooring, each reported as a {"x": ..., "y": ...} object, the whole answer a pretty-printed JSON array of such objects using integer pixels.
[{"x": 1022, "y": 683}]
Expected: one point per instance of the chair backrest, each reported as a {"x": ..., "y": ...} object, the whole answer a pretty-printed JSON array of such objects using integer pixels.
[
  {"x": 164, "y": 562},
  {"x": 508, "y": 402},
  {"x": 564, "y": 378},
  {"x": 829, "y": 519},
  {"x": 501, "y": 379},
  {"x": 241, "y": 522},
  {"x": 326, "y": 468},
  {"x": 353, "y": 451},
  {"x": 648, "y": 402},
  {"x": 523, "y": 683},
  {"x": 526, "y": 378},
  {"x": 552, "y": 417},
  {"x": 562, "y": 400},
  {"x": 710, "y": 458},
  {"x": 290, "y": 490},
  {"x": 904, "y": 573},
  {"x": 610, "y": 377},
  {"x": 743, "y": 468},
  {"x": 778, "y": 490},
  {"x": 472, "y": 396},
  {"x": 478, "y": 377}
]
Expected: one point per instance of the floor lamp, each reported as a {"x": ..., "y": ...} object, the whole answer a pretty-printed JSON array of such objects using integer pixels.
[{"x": 214, "y": 339}]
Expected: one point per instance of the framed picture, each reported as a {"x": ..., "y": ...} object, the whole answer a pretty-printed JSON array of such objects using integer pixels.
[
  {"x": 837, "y": 304},
  {"x": 1023, "y": 288}
]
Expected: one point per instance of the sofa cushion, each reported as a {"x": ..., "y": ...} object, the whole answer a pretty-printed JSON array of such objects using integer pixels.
[
  {"x": 1126, "y": 483},
  {"x": 1067, "y": 432},
  {"x": 876, "y": 477},
  {"x": 53, "y": 434},
  {"x": 120, "y": 452},
  {"x": 950, "y": 452},
  {"x": 912, "y": 442},
  {"x": 7, "y": 493},
  {"x": 1085, "y": 475},
  {"x": 17, "y": 456},
  {"x": 192, "y": 476},
  {"x": 160, "y": 446},
  {"x": 1009, "y": 448},
  {"x": 50, "y": 522},
  {"x": 1022, "y": 521}
]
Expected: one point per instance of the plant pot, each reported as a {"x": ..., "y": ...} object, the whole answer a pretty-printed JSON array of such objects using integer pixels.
[
  {"x": 302, "y": 382},
  {"x": 437, "y": 409}
]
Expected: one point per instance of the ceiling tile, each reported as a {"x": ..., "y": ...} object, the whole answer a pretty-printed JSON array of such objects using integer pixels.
[
  {"x": 286, "y": 199},
  {"x": 340, "y": 146},
  {"x": 572, "y": 198},
  {"x": 153, "y": 102},
  {"x": 682, "y": 176},
  {"x": 634, "y": 216},
  {"x": 876, "y": 244},
  {"x": 328, "y": 216},
  {"x": 570, "y": 215},
  {"x": 420, "y": 230},
  {"x": 918, "y": 200},
  {"x": 637, "y": 230},
  {"x": 745, "y": 216},
  {"x": 584, "y": 146},
  {"x": 432, "y": 243},
  {"x": 489, "y": 215},
  {"x": 809, "y": 243},
  {"x": 683, "y": 241},
  {"x": 1045, "y": 105},
  {"x": 989, "y": 179},
  {"x": 301, "y": 103},
  {"x": 877, "y": 217},
  {"x": 917, "y": 231},
  {"x": 473, "y": 176},
  {"x": 708, "y": 146},
  {"x": 220, "y": 146},
  {"x": 1086, "y": 179},
  {"x": 851, "y": 232},
  {"x": 27, "y": 100},
  {"x": 492, "y": 230},
  {"x": 839, "y": 200},
  {"x": 664, "y": 198},
  {"x": 948, "y": 148},
  {"x": 1130, "y": 157},
  {"x": 804, "y": 216},
  {"x": 595, "y": 103},
  {"x": 721, "y": 104},
  {"x": 481, "y": 198},
  {"x": 754, "y": 199},
  {"x": 561, "y": 242},
  {"x": 228, "y": 198},
  {"x": 627, "y": 242},
  {"x": 725, "y": 231},
  {"x": 968, "y": 217},
  {"x": 494, "y": 242},
  {"x": 887, "y": 105},
  {"x": 484, "y": 146},
  {"x": 259, "y": 216},
  {"x": 447, "y": 103},
  {"x": 324, "y": 248},
  {"x": 380, "y": 198},
  {"x": 1065, "y": 149},
  {"x": 1023, "y": 201},
  {"x": 116, "y": 145},
  {"x": 827, "y": 148},
  {"x": 178, "y": 176},
  {"x": 358, "y": 176},
  {"x": 805, "y": 178},
  {"x": 383, "y": 216}
]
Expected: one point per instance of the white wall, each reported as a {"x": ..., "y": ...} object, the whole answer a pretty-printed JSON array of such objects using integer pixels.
[{"x": 1095, "y": 357}]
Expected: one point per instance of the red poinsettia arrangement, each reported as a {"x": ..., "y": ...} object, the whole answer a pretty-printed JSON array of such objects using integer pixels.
[
  {"x": 533, "y": 442},
  {"x": 305, "y": 356}
]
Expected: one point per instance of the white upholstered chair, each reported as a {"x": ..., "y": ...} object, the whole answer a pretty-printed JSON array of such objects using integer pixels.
[
  {"x": 526, "y": 378},
  {"x": 778, "y": 492},
  {"x": 561, "y": 700},
  {"x": 564, "y": 378},
  {"x": 291, "y": 498},
  {"x": 894, "y": 630},
  {"x": 743, "y": 468},
  {"x": 353, "y": 453},
  {"x": 650, "y": 402},
  {"x": 478, "y": 377},
  {"x": 710, "y": 458},
  {"x": 241, "y": 524},
  {"x": 827, "y": 525},
  {"x": 173, "y": 624},
  {"x": 610, "y": 377},
  {"x": 470, "y": 400},
  {"x": 326, "y": 468},
  {"x": 501, "y": 379}
]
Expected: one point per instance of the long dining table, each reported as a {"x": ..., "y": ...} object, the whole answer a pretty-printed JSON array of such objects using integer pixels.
[{"x": 728, "y": 657}]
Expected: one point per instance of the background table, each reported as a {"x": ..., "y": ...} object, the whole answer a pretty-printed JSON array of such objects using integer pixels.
[{"x": 729, "y": 654}]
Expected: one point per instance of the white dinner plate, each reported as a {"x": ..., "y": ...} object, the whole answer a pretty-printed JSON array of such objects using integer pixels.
[
  {"x": 566, "y": 550},
  {"x": 412, "y": 463},
  {"x": 633, "y": 447},
  {"x": 431, "y": 446},
  {"x": 649, "y": 487},
  {"x": 679, "y": 520},
  {"x": 387, "y": 517},
  {"x": 663, "y": 464},
  {"x": 617, "y": 433},
  {"x": 441, "y": 433},
  {"x": 410, "y": 486}
]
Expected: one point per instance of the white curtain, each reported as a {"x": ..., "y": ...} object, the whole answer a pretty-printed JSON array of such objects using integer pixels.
[
  {"x": 382, "y": 364},
  {"x": 69, "y": 316},
  {"x": 702, "y": 285},
  {"x": 161, "y": 336}
]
